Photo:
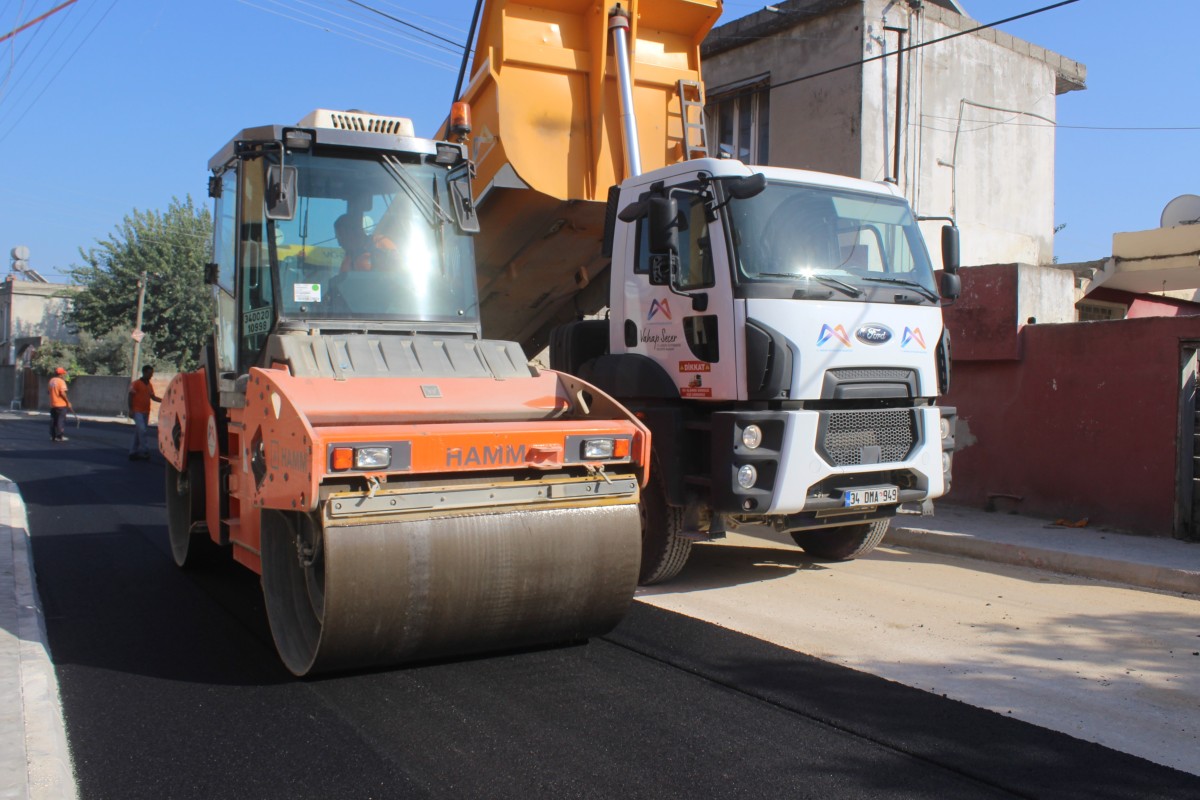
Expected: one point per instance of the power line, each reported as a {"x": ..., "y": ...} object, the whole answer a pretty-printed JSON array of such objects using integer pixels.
[
  {"x": 351, "y": 34},
  {"x": 33, "y": 22},
  {"x": 910, "y": 48},
  {"x": 457, "y": 47},
  {"x": 33, "y": 102},
  {"x": 989, "y": 123}
]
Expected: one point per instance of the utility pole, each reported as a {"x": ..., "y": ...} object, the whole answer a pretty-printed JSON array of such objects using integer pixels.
[{"x": 137, "y": 327}]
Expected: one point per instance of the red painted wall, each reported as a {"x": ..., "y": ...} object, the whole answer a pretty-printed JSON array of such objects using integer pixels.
[{"x": 1082, "y": 423}]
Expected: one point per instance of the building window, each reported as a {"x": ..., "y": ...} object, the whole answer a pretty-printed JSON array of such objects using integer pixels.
[
  {"x": 1095, "y": 310},
  {"x": 740, "y": 121}
]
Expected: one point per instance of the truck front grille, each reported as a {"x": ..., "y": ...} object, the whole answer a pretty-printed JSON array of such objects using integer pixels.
[{"x": 849, "y": 438}]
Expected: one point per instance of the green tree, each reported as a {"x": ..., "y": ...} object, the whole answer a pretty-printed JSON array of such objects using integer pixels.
[{"x": 171, "y": 247}]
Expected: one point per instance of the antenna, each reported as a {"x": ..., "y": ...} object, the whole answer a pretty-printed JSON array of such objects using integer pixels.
[{"x": 1183, "y": 210}]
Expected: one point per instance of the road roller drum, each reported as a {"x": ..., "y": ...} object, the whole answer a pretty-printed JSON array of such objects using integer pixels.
[{"x": 390, "y": 592}]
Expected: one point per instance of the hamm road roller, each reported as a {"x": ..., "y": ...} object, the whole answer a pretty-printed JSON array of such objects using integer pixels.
[{"x": 405, "y": 488}]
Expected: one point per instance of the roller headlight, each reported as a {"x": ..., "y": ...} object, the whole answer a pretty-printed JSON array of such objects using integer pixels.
[
  {"x": 945, "y": 462},
  {"x": 372, "y": 457},
  {"x": 751, "y": 437},
  {"x": 944, "y": 424},
  {"x": 747, "y": 476},
  {"x": 598, "y": 448}
]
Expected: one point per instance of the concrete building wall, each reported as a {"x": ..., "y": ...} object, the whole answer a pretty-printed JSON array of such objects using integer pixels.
[
  {"x": 978, "y": 132},
  {"x": 30, "y": 310},
  {"x": 814, "y": 123},
  {"x": 977, "y": 112}
]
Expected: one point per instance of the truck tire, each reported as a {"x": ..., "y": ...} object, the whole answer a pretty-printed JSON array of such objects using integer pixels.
[
  {"x": 190, "y": 545},
  {"x": 842, "y": 544},
  {"x": 664, "y": 549}
]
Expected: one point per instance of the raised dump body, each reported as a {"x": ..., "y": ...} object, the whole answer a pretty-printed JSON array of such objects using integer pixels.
[
  {"x": 406, "y": 488},
  {"x": 547, "y": 144}
]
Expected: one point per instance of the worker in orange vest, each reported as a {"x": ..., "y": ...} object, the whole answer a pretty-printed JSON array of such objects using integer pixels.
[
  {"x": 140, "y": 395},
  {"x": 59, "y": 404}
]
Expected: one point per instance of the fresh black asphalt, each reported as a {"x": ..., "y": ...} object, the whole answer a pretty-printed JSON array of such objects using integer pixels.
[{"x": 171, "y": 689}]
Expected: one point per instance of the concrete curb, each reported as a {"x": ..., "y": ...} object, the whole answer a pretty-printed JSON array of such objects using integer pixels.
[
  {"x": 34, "y": 733},
  {"x": 1145, "y": 576}
]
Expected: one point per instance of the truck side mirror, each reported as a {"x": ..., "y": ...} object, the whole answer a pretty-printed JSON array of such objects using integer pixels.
[
  {"x": 951, "y": 286},
  {"x": 281, "y": 192},
  {"x": 950, "y": 249},
  {"x": 664, "y": 225},
  {"x": 745, "y": 188}
]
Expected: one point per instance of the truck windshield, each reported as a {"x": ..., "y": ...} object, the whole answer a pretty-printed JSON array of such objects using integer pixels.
[
  {"x": 371, "y": 240},
  {"x": 832, "y": 242}
]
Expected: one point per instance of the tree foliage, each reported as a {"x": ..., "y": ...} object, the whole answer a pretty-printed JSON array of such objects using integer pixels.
[{"x": 171, "y": 248}]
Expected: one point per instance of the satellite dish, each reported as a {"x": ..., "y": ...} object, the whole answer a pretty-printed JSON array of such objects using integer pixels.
[{"x": 1183, "y": 210}]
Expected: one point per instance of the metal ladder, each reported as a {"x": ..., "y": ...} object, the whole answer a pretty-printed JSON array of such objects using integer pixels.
[{"x": 691, "y": 106}]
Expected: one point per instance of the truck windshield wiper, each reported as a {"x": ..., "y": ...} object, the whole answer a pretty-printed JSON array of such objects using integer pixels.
[
  {"x": 921, "y": 290},
  {"x": 841, "y": 286}
]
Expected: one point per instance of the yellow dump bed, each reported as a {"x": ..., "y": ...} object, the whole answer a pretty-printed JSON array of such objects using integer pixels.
[{"x": 547, "y": 141}]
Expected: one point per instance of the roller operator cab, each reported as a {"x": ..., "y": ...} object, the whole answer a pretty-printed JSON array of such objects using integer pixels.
[
  {"x": 406, "y": 488},
  {"x": 780, "y": 332}
]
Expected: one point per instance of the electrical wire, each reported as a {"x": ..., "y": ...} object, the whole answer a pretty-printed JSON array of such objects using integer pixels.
[
  {"x": 919, "y": 45},
  {"x": 458, "y": 48},
  {"x": 353, "y": 35},
  {"x": 29, "y": 76},
  {"x": 17, "y": 121}
]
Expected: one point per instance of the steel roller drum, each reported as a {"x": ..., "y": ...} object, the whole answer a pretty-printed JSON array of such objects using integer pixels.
[{"x": 390, "y": 592}]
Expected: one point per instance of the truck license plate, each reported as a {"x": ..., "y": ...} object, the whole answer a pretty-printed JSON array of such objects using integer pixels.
[{"x": 870, "y": 496}]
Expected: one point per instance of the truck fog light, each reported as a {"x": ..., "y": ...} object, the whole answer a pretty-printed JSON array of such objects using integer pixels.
[
  {"x": 944, "y": 424},
  {"x": 598, "y": 448},
  {"x": 747, "y": 475},
  {"x": 752, "y": 437},
  {"x": 372, "y": 457}
]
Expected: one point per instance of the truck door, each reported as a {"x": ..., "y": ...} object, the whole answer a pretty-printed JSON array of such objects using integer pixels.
[{"x": 688, "y": 325}]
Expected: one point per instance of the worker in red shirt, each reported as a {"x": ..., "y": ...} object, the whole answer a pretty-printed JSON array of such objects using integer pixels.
[
  {"x": 140, "y": 395},
  {"x": 59, "y": 404}
]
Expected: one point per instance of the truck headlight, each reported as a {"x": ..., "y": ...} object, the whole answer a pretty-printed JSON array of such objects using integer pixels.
[
  {"x": 372, "y": 457},
  {"x": 747, "y": 476},
  {"x": 751, "y": 437},
  {"x": 944, "y": 425},
  {"x": 945, "y": 463}
]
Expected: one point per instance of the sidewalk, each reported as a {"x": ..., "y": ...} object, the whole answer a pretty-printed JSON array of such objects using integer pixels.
[
  {"x": 1161, "y": 564},
  {"x": 35, "y": 762}
]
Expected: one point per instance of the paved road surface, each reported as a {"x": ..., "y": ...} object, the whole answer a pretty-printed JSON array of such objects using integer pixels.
[
  {"x": 1102, "y": 662},
  {"x": 171, "y": 689}
]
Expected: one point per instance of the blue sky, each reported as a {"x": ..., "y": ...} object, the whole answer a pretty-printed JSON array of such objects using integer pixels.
[{"x": 111, "y": 105}]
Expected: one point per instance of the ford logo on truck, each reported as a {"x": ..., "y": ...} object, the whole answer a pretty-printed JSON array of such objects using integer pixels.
[{"x": 873, "y": 334}]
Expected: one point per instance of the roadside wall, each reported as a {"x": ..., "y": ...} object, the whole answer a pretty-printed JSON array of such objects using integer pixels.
[
  {"x": 103, "y": 395},
  {"x": 1067, "y": 420}
]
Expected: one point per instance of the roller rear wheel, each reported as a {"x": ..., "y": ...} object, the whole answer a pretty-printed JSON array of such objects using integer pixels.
[{"x": 842, "y": 544}]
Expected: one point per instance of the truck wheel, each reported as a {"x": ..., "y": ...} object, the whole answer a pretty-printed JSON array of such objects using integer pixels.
[
  {"x": 664, "y": 549},
  {"x": 185, "y": 506},
  {"x": 842, "y": 544}
]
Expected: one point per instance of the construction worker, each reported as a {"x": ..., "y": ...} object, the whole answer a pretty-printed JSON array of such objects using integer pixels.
[
  {"x": 59, "y": 404},
  {"x": 140, "y": 395}
]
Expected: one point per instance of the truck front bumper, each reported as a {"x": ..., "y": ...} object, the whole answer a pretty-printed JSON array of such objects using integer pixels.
[{"x": 809, "y": 461}]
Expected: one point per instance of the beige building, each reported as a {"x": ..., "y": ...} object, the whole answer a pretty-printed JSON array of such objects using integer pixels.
[
  {"x": 965, "y": 126},
  {"x": 30, "y": 313}
]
